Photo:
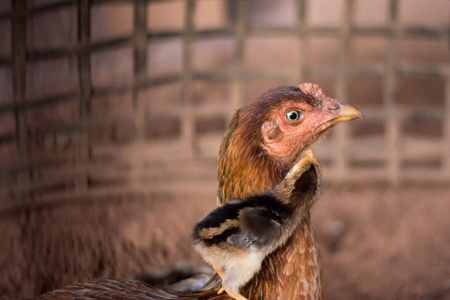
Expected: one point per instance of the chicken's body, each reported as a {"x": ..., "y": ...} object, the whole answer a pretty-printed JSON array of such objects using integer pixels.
[{"x": 263, "y": 142}]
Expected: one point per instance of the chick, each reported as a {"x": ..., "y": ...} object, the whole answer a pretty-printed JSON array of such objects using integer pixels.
[{"x": 236, "y": 237}]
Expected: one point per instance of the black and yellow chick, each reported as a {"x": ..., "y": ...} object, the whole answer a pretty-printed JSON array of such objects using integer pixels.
[{"x": 236, "y": 237}]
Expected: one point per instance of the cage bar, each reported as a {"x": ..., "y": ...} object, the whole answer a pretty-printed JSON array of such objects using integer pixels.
[
  {"x": 390, "y": 98},
  {"x": 139, "y": 62},
  {"x": 19, "y": 47},
  {"x": 342, "y": 139},
  {"x": 446, "y": 122},
  {"x": 300, "y": 72},
  {"x": 187, "y": 120},
  {"x": 240, "y": 34},
  {"x": 85, "y": 86}
]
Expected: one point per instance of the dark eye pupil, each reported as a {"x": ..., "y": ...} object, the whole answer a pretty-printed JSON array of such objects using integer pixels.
[{"x": 293, "y": 115}]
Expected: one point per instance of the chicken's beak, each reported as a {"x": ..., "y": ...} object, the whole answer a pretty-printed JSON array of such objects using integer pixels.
[{"x": 342, "y": 113}]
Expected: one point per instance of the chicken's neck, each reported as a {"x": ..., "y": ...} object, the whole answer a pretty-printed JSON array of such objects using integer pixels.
[
  {"x": 294, "y": 270},
  {"x": 246, "y": 173}
]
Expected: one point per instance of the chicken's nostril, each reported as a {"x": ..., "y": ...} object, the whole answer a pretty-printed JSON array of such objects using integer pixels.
[{"x": 334, "y": 107}]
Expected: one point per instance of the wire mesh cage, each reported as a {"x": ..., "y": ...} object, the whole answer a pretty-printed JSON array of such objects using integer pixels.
[
  {"x": 107, "y": 96},
  {"x": 112, "y": 113}
]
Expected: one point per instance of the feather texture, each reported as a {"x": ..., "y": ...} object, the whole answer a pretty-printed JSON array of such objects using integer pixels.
[
  {"x": 237, "y": 236},
  {"x": 244, "y": 170}
]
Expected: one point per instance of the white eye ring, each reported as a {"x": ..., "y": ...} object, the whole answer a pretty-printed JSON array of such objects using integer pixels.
[{"x": 294, "y": 115}]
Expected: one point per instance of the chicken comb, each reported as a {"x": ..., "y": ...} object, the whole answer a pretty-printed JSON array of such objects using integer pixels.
[{"x": 312, "y": 89}]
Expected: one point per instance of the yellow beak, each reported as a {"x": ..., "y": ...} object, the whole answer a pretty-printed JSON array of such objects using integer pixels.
[{"x": 344, "y": 113}]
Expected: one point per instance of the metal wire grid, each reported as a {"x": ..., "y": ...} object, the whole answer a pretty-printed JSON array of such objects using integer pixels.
[{"x": 189, "y": 147}]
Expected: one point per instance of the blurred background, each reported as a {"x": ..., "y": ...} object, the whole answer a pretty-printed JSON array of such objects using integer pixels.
[{"x": 112, "y": 113}]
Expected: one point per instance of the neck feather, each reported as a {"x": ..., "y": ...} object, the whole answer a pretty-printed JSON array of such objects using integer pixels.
[{"x": 244, "y": 169}]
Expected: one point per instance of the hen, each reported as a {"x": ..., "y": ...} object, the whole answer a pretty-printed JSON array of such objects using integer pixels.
[{"x": 264, "y": 141}]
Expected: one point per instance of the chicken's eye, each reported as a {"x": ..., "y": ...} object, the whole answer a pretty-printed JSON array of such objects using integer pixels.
[{"x": 294, "y": 115}]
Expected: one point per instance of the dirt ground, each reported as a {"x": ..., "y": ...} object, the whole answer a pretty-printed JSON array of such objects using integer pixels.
[
  {"x": 375, "y": 242},
  {"x": 382, "y": 243}
]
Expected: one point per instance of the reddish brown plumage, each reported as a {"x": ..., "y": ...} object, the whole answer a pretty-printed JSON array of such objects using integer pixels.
[
  {"x": 253, "y": 160},
  {"x": 244, "y": 169}
]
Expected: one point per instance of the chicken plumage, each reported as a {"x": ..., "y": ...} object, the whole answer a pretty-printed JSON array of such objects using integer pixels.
[
  {"x": 264, "y": 141},
  {"x": 235, "y": 237}
]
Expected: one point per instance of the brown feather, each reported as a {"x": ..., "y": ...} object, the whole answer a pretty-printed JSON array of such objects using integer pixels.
[{"x": 245, "y": 170}]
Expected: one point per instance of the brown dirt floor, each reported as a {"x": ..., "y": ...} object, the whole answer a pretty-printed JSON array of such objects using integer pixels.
[{"x": 376, "y": 242}]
